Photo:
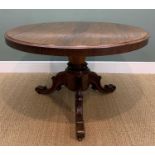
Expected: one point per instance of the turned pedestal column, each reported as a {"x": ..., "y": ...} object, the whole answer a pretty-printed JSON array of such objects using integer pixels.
[
  {"x": 77, "y": 40},
  {"x": 77, "y": 77}
]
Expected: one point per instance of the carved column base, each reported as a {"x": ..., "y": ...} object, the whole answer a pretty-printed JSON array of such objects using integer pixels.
[{"x": 77, "y": 78}]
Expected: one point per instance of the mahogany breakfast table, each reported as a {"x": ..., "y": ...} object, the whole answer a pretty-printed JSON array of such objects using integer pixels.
[{"x": 77, "y": 40}]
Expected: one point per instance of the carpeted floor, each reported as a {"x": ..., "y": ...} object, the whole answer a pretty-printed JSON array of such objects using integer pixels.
[{"x": 125, "y": 117}]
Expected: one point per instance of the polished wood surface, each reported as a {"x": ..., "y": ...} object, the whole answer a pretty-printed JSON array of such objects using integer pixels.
[
  {"x": 77, "y": 38},
  {"x": 77, "y": 78}
]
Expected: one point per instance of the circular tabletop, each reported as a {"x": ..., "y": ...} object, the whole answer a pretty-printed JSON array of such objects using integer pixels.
[{"x": 77, "y": 38}]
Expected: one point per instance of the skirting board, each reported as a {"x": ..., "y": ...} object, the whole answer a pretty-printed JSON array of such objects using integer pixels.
[{"x": 57, "y": 66}]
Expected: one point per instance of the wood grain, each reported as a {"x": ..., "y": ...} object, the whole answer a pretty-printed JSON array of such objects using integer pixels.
[
  {"x": 82, "y": 38},
  {"x": 77, "y": 40}
]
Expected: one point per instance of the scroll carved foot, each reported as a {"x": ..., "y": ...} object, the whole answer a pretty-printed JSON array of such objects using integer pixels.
[
  {"x": 96, "y": 84},
  {"x": 58, "y": 81},
  {"x": 77, "y": 78},
  {"x": 80, "y": 131}
]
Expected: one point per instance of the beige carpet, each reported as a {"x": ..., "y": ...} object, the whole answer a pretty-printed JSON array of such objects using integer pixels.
[{"x": 125, "y": 117}]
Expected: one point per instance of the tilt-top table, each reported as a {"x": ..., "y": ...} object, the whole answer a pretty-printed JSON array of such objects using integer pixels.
[{"x": 77, "y": 40}]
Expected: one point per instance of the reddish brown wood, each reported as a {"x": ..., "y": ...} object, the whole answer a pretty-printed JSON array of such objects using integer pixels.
[
  {"x": 77, "y": 40},
  {"x": 77, "y": 59},
  {"x": 77, "y": 78},
  {"x": 80, "y": 131}
]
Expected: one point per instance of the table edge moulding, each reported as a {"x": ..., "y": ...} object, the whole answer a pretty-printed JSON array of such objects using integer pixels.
[{"x": 77, "y": 40}]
